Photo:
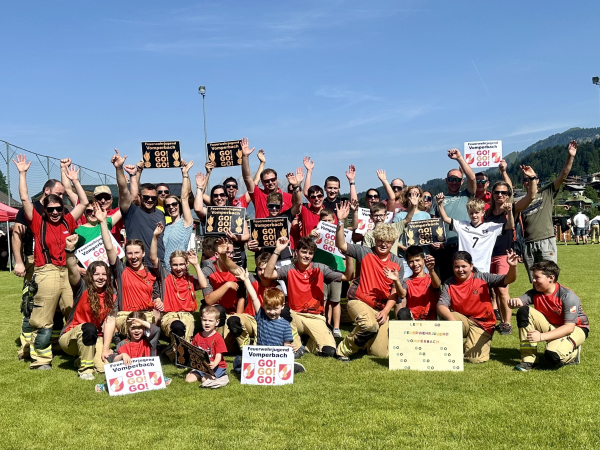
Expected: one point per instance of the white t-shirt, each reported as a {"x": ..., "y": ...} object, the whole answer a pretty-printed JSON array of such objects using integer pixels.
[
  {"x": 580, "y": 220},
  {"x": 478, "y": 241}
]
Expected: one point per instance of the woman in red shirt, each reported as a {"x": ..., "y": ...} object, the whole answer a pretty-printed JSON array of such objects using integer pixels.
[
  {"x": 135, "y": 282},
  {"x": 93, "y": 314},
  {"x": 50, "y": 229}
]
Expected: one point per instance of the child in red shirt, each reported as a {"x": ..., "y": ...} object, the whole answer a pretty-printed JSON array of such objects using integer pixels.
[
  {"x": 420, "y": 301},
  {"x": 211, "y": 342}
]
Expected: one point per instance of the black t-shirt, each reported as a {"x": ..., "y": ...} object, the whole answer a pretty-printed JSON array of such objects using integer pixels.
[
  {"x": 331, "y": 204},
  {"x": 504, "y": 242}
]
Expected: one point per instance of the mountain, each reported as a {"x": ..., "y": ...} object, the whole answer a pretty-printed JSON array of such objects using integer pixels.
[{"x": 580, "y": 135}]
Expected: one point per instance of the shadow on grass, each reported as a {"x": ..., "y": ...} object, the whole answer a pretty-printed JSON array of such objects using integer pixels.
[
  {"x": 507, "y": 356},
  {"x": 383, "y": 362}
]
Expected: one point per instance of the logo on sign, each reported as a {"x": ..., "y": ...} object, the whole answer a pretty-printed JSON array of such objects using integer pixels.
[
  {"x": 117, "y": 384},
  {"x": 285, "y": 371},
  {"x": 248, "y": 370},
  {"x": 155, "y": 378}
]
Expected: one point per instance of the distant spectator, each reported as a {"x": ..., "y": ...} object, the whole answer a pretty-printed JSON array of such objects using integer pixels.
[
  {"x": 581, "y": 222},
  {"x": 595, "y": 230}
]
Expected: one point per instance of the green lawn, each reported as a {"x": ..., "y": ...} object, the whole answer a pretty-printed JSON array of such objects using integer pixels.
[{"x": 334, "y": 405}]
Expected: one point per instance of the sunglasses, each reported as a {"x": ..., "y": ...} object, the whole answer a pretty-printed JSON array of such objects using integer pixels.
[
  {"x": 104, "y": 197},
  {"x": 89, "y": 211},
  {"x": 454, "y": 179},
  {"x": 427, "y": 198},
  {"x": 314, "y": 197},
  {"x": 397, "y": 188},
  {"x": 149, "y": 198},
  {"x": 171, "y": 205},
  {"x": 372, "y": 196},
  {"x": 504, "y": 193},
  {"x": 482, "y": 181},
  {"x": 51, "y": 209},
  {"x": 231, "y": 186},
  {"x": 221, "y": 194},
  {"x": 270, "y": 180},
  {"x": 164, "y": 192},
  {"x": 274, "y": 206}
]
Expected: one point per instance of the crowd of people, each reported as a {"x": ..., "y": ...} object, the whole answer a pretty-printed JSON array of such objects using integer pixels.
[{"x": 120, "y": 309}]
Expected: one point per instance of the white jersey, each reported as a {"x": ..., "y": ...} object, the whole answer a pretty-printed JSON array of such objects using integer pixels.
[
  {"x": 478, "y": 241},
  {"x": 580, "y": 220}
]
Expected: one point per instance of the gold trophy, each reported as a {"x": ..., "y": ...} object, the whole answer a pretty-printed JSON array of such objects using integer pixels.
[
  {"x": 211, "y": 156},
  {"x": 239, "y": 155},
  {"x": 210, "y": 221},
  {"x": 238, "y": 222},
  {"x": 410, "y": 234},
  {"x": 147, "y": 159},
  {"x": 255, "y": 235},
  {"x": 176, "y": 162},
  {"x": 440, "y": 233},
  {"x": 283, "y": 233}
]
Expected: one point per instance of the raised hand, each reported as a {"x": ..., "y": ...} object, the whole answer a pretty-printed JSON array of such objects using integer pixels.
[
  {"x": 186, "y": 166},
  {"x": 209, "y": 165},
  {"x": 281, "y": 244},
  {"x": 310, "y": 165},
  {"x": 351, "y": 173},
  {"x": 21, "y": 163},
  {"x": 527, "y": 171},
  {"x": 99, "y": 213},
  {"x": 391, "y": 274},
  {"x": 140, "y": 166},
  {"x": 241, "y": 273},
  {"x": 502, "y": 166},
  {"x": 131, "y": 169},
  {"x": 261, "y": 156},
  {"x": 342, "y": 210},
  {"x": 354, "y": 204},
  {"x": 454, "y": 153},
  {"x": 299, "y": 175},
  {"x": 291, "y": 178},
  {"x": 192, "y": 257},
  {"x": 222, "y": 245},
  {"x": 414, "y": 199},
  {"x": 72, "y": 173},
  {"x": 381, "y": 175},
  {"x": 253, "y": 245},
  {"x": 71, "y": 241},
  {"x": 200, "y": 180},
  {"x": 64, "y": 163},
  {"x": 159, "y": 229},
  {"x": 572, "y": 148},
  {"x": 513, "y": 258},
  {"x": 429, "y": 262},
  {"x": 440, "y": 198},
  {"x": 246, "y": 150},
  {"x": 506, "y": 207},
  {"x": 117, "y": 160}
]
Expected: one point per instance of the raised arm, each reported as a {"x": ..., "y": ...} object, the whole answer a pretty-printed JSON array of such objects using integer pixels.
[
  {"x": 502, "y": 168},
  {"x": 64, "y": 164},
  {"x": 124, "y": 195},
  {"x": 242, "y": 274},
  {"x": 351, "y": 175},
  {"x": 154, "y": 244},
  {"x": 506, "y": 208},
  {"x": 73, "y": 176},
  {"x": 564, "y": 173},
  {"x": 246, "y": 175},
  {"x": 310, "y": 165},
  {"x": 23, "y": 167},
  {"x": 199, "y": 200},
  {"x": 413, "y": 207},
  {"x": 349, "y": 272},
  {"x": 532, "y": 189},
  {"x": 209, "y": 165},
  {"x": 391, "y": 203},
  {"x": 17, "y": 246},
  {"x": 430, "y": 264},
  {"x": 454, "y": 153},
  {"x": 296, "y": 181},
  {"x": 72, "y": 267},
  {"x": 263, "y": 160},
  {"x": 111, "y": 252},
  {"x": 442, "y": 212},
  {"x": 343, "y": 209},
  {"x": 193, "y": 260},
  {"x": 513, "y": 261},
  {"x": 186, "y": 190},
  {"x": 222, "y": 255},
  {"x": 280, "y": 245}
]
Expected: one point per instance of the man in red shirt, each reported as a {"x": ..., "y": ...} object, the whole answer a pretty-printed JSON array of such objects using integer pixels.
[
  {"x": 310, "y": 215},
  {"x": 103, "y": 196},
  {"x": 482, "y": 188},
  {"x": 304, "y": 281},
  {"x": 269, "y": 181}
]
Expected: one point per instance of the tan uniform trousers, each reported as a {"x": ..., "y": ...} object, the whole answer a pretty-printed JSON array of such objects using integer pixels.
[
  {"x": 565, "y": 347},
  {"x": 595, "y": 235},
  {"x": 54, "y": 290},
  {"x": 165, "y": 325},
  {"x": 90, "y": 356},
  {"x": 249, "y": 329},
  {"x": 315, "y": 327},
  {"x": 478, "y": 341},
  {"x": 367, "y": 333},
  {"x": 121, "y": 321}
]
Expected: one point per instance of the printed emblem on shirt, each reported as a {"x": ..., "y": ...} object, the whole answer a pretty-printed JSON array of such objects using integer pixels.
[{"x": 573, "y": 309}]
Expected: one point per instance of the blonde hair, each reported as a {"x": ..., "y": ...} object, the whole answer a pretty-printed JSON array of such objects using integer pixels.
[
  {"x": 475, "y": 204},
  {"x": 386, "y": 233}
]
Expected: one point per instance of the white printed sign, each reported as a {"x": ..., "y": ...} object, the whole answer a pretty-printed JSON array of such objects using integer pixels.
[
  {"x": 326, "y": 239},
  {"x": 143, "y": 374},
  {"x": 426, "y": 345},
  {"x": 265, "y": 365},
  {"x": 365, "y": 223},
  {"x": 95, "y": 251},
  {"x": 483, "y": 154}
]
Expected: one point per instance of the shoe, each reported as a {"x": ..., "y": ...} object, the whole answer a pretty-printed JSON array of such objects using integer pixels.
[
  {"x": 216, "y": 383},
  {"x": 298, "y": 368},
  {"x": 100, "y": 388},
  {"x": 42, "y": 367},
  {"x": 337, "y": 333},
  {"x": 524, "y": 367},
  {"x": 342, "y": 358},
  {"x": 577, "y": 359},
  {"x": 87, "y": 376},
  {"x": 168, "y": 381},
  {"x": 504, "y": 328},
  {"x": 300, "y": 352},
  {"x": 497, "y": 314},
  {"x": 23, "y": 357}
]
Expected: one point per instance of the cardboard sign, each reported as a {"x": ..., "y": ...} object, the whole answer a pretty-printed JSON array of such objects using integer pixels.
[
  {"x": 425, "y": 232},
  {"x": 95, "y": 251},
  {"x": 483, "y": 154},
  {"x": 143, "y": 374},
  {"x": 161, "y": 155},
  {"x": 365, "y": 223},
  {"x": 225, "y": 154},
  {"x": 188, "y": 355},
  {"x": 266, "y": 231},
  {"x": 326, "y": 239},
  {"x": 267, "y": 366},
  {"x": 426, "y": 345},
  {"x": 221, "y": 218}
]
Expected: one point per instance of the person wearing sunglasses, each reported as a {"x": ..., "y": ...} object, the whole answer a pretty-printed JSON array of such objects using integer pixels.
[
  {"x": 502, "y": 192},
  {"x": 103, "y": 196},
  {"x": 332, "y": 185},
  {"x": 268, "y": 178},
  {"x": 482, "y": 192},
  {"x": 140, "y": 221},
  {"x": 392, "y": 202},
  {"x": 50, "y": 230},
  {"x": 309, "y": 215},
  {"x": 427, "y": 200},
  {"x": 455, "y": 205}
]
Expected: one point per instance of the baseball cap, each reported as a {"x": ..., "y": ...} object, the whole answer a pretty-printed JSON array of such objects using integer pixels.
[{"x": 102, "y": 190}]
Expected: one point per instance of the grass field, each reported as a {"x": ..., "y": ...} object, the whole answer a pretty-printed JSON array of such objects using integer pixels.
[{"x": 334, "y": 405}]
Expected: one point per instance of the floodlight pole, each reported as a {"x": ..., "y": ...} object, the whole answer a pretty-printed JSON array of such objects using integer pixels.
[
  {"x": 596, "y": 81},
  {"x": 202, "y": 92}
]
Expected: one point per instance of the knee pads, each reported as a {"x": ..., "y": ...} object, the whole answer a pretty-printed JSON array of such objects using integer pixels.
[
  {"x": 553, "y": 358},
  {"x": 523, "y": 316},
  {"x": 43, "y": 338},
  {"x": 404, "y": 314},
  {"x": 178, "y": 328},
  {"x": 286, "y": 314},
  {"x": 89, "y": 334},
  {"x": 327, "y": 351},
  {"x": 361, "y": 339},
  {"x": 235, "y": 326}
]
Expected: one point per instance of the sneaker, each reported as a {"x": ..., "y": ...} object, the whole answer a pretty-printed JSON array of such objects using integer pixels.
[
  {"x": 100, "y": 388},
  {"x": 342, "y": 358},
  {"x": 300, "y": 352},
  {"x": 577, "y": 359},
  {"x": 337, "y": 333},
  {"x": 497, "y": 314},
  {"x": 298, "y": 368},
  {"x": 42, "y": 367},
  {"x": 504, "y": 328},
  {"x": 87, "y": 376},
  {"x": 168, "y": 381},
  {"x": 524, "y": 367}
]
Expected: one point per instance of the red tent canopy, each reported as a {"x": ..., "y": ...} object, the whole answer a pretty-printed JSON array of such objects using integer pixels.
[{"x": 7, "y": 213}]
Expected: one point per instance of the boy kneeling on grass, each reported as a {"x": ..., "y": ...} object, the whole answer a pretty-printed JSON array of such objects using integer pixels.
[
  {"x": 557, "y": 319},
  {"x": 420, "y": 302}
]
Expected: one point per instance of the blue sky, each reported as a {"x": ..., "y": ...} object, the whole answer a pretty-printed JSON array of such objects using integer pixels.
[{"x": 378, "y": 84}]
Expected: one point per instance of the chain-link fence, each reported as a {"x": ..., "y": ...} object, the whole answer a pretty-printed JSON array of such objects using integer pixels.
[{"x": 43, "y": 168}]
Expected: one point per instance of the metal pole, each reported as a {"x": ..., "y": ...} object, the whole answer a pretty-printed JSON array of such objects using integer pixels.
[
  {"x": 48, "y": 166},
  {"x": 8, "y": 172},
  {"x": 204, "y": 116}
]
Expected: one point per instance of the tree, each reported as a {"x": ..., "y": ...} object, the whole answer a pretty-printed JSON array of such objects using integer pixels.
[
  {"x": 591, "y": 193},
  {"x": 3, "y": 185}
]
